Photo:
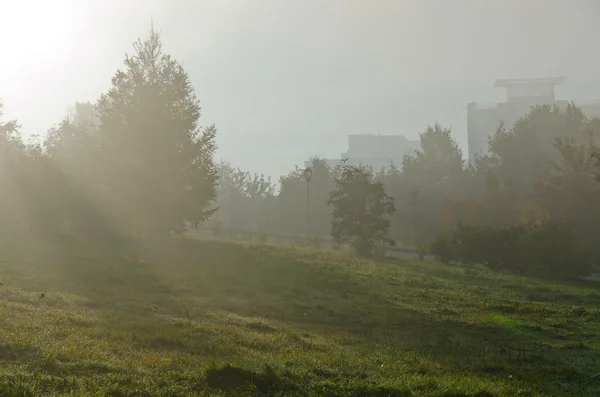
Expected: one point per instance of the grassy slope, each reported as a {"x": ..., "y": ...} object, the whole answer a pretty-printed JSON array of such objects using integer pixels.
[{"x": 290, "y": 321}]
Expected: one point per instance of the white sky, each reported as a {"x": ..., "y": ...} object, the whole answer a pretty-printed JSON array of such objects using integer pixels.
[{"x": 285, "y": 78}]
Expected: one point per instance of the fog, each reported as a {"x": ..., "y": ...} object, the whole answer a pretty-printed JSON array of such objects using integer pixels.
[
  {"x": 176, "y": 218},
  {"x": 300, "y": 76}
]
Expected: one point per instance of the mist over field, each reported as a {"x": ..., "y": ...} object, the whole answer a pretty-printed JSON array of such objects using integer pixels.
[{"x": 277, "y": 198}]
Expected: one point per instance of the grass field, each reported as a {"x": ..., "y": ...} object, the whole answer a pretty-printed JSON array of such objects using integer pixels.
[{"x": 219, "y": 318}]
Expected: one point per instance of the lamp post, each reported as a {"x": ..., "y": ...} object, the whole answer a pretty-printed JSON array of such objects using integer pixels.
[{"x": 307, "y": 177}]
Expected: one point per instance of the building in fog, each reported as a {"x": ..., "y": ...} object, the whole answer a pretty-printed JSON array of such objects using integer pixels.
[
  {"x": 376, "y": 151},
  {"x": 521, "y": 95}
]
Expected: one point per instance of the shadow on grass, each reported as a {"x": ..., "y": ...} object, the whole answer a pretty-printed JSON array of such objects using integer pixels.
[
  {"x": 234, "y": 380},
  {"x": 312, "y": 292}
]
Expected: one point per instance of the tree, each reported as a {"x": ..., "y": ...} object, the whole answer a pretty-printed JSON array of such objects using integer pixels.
[
  {"x": 71, "y": 178},
  {"x": 12, "y": 159},
  {"x": 494, "y": 207},
  {"x": 439, "y": 161},
  {"x": 243, "y": 199},
  {"x": 231, "y": 197},
  {"x": 436, "y": 171},
  {"x": 361, "y": 210},
  {"x": 8, "y": 129},
  {"x": 24, "y": 203},
  {"x": 291, "y": 201},
  {"x": 415, "y": 218},
  {"x": 523, "y": 153},
  {"x": 156, "y": 163},
  {"x": 569, "y": 191}
]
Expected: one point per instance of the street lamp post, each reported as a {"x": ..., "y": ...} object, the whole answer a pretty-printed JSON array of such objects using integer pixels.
[{"x": 307, "y": 177}]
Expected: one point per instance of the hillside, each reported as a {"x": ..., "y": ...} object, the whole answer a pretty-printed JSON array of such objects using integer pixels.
[{"x": 194, "y": 317}]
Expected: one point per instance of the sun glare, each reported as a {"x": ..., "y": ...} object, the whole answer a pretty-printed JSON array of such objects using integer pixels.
[{"x": 35, "y": 34}]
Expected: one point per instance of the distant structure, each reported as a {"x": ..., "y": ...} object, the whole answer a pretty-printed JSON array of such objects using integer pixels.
[
  {"x": 521, "y": 95},
  {"x": 376, "y": 151}
]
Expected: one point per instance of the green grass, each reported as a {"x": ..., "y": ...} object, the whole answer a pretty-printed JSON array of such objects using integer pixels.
[{"x": 220, "y": 318}]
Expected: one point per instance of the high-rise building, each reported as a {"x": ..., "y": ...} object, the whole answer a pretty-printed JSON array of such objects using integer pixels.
[
  {"x": 376, "y": 151},
  {"x": 521, "y": 96}
]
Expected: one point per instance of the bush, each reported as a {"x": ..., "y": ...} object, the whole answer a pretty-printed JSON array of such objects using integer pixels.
[
  {"x": 554, "y": 248},
  {"x": 544, "y": 248},
  {"x": 441, "y": 249}
]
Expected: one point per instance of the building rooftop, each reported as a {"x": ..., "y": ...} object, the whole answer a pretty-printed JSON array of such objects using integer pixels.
[
  {"x": 543, "y": 81},
  {"x": 526, "y": 89}
]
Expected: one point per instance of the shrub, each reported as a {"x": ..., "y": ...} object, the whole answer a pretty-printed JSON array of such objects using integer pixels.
[
  {"x": 547, "y": 248},
  {"x": 554, "y": 247},
  {"x": 441, "y": 249}
]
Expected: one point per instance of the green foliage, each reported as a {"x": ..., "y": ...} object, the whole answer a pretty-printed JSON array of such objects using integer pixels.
[
  {"x": 26, "y": 207},
  {"x": 361, "y": 210},
  {"x": 136, "y": 163},
  {"x": 443, "y": 249},
  {"x": 568, "y": 191},
  {"x": 439, "y": 161},
  {"x": 290, "y": 205},
  {"x": 548, "y": 152},
  {"x": 244, "y": 199},
  {"x": 544, "y": 248},
  {"x": 149, "y": 134},
  {"x": 527, "y": 150},
  {"x": 428, "y": 176}
]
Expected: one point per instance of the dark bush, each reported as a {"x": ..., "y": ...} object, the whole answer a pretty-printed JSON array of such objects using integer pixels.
[
  {"x": 554, "y": 248},
  {"x": 544, "y": 248},
  {"x": 442, "y": 249}
]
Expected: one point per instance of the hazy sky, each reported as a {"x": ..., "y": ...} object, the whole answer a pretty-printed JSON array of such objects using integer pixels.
[{"x": 284, "y": 78}]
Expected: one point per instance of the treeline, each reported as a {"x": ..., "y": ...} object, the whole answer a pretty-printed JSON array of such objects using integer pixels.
[
  {"x": 418, "y": 186},
  {"x": 529, "y": 205},
  {"x": 137, "y": 163}
]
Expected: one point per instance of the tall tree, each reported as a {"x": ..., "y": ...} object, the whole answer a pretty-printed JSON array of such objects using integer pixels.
[
  {"x": 361, "y": 210},
  {"x": 11, "y": 162},
  {"x": 523, "y": 153},
  {"x": 438, "y": 162},
  {"x": 494, "y": 208},
  {"x": 24, "y": 204},
  {"x": 72, "y": 159},
  {"x": 436, "y": 171},
  {"x": 569, "y": 191},
  {"x": 157, "y": 164},
  {"x": 291, "y": 201}
]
